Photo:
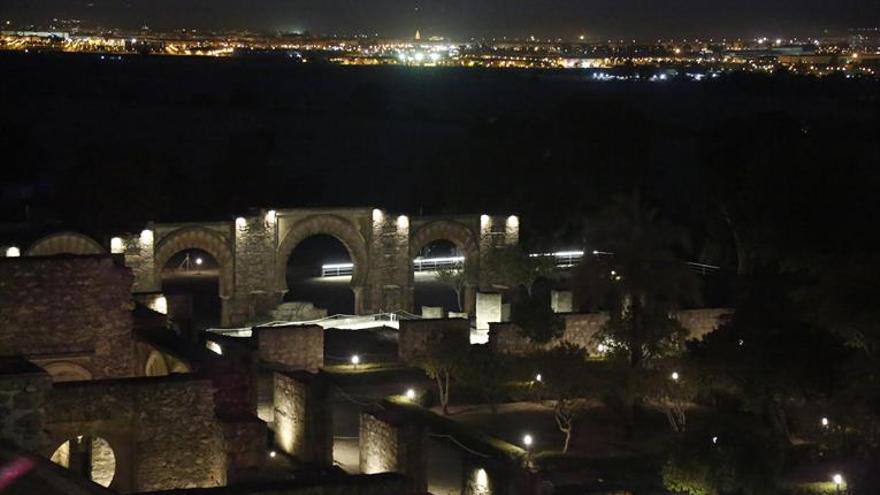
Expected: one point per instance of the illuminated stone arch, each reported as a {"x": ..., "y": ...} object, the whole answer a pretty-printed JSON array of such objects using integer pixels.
[
  {"x": 65, "y": 243},
  {"x": 102, "y": 461},
  {"x": 66, "y": 371},
  {"x": 458, "y": 234},
  {"x": 445, "y": 230},
  {"x": 335, "y": 226},
  {"x": 156, "y": 365},
  {"x": 206, "y": 240}
]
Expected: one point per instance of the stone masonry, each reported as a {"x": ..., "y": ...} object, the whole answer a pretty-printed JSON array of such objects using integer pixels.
[
  {"x": 294, "y": 347},
  {"x": 63, "y": 307}
]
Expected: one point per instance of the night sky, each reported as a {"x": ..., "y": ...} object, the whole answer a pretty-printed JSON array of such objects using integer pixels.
[{"x": 464, "y": 18}]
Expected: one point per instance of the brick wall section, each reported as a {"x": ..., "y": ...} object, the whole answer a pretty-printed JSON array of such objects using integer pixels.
[
  {"x": 64, "y": 305},
  {"x": 581, "y": 327},
  {"x": 302, "y": 417},
  {"x": 294, "y": 347},
  {"x": 163, "y": 430},
  {"x": 23, "y": 389},
  {"x": 414, "y": 335},
  {"x": 394, "y": 444}
]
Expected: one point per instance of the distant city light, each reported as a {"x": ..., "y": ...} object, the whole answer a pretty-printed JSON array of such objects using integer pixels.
[
  {"x": 240, "y": 222},
  {"x": 199, "y": 261},
  {"x": 825, "y": 422},
  {"x": 538, "y": 377},
  {"x": 146, "y": 236},
  {"x": 674, "y": 376},
  {"x": 272, "y": 454},
  {"x": 402, "y": 222},
  {"x": 377, "y": 215},
  {"x": 13, "y": 252}
]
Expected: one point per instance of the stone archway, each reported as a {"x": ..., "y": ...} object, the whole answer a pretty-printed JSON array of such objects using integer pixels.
[
  {"x": 65, "y": 243},
  {"x": 337, "y": 227},
  {"x": 455, "y": 232},
  {"x": 205, "y": 240},
  {"x": 444, "y": 230}
]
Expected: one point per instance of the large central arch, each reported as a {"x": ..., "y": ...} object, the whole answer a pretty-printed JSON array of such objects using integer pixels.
[
  {"x": 199, "y": 238},
  {"x": 447, "y": 230},
  {"x": 337, "y": 227}
]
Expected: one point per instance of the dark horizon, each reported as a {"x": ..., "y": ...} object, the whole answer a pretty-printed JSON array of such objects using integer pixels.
[{"x": 596, "y": 19}]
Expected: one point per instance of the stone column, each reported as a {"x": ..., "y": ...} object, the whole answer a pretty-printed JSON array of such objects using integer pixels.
[
  {"x": 392, "y": 443},
  {"x": 303, "y": 419}
]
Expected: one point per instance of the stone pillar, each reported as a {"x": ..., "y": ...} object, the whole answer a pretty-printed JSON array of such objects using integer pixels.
[
  {"x": 255, "y": 264},
  {"x": 488, "y": 309},
  {"x": 390, "y": 270},
  {"x": 302, "y": 416},
  {"x": 561, "y": 301},
  {"x": 139, "y": 252},
  {"x": 23, "y": 389},
  {"x": 392, "y": 443}
]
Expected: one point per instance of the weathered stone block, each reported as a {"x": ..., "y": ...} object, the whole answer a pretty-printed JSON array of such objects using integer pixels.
[
  {"x": 561, "y": 301},
  {"x": 488, "y": 309},
  {"x": 292, "y": 347}
]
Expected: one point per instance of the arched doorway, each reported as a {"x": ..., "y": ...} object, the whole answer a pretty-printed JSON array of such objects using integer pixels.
[
  {"x": 191, "y": 285},
  {"x": 90, "y": 456},
  {"x": 437, "y": 277},
  {"x": 434, "y": 240},
  {"x": 341, "y": 231},
  {"x": 319, "y": 271}
]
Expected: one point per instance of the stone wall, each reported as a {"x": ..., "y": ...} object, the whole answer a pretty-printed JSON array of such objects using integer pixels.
[
  {"x": 389, "y": 443},
  {"x": 294, "y": 347},
  {"x": 68, "y": 306},
  {"x": 303, "y": 420},
  {"x": 580, "y": 328},
  {"x": 699, "y": 322},
  {"x": 163, "y": 431},
  {"x": 23, "y": 389},
  {"x": 414, "y": 335}
]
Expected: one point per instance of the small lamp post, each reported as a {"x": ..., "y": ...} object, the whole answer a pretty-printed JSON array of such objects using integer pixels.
[
  {"x": 675, "y": 376},
  {"x": 837, "y": 478},
  {"x": 355, "y": 360},
  {"x": 410, "y": 394},
  {"x": 527, "y": 441}
]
